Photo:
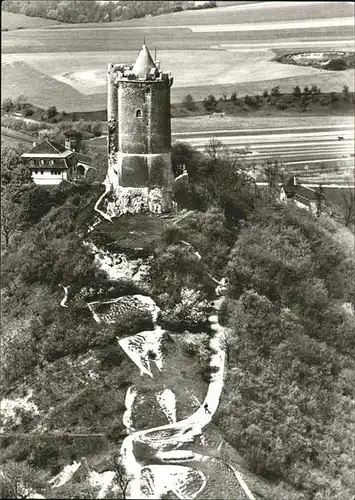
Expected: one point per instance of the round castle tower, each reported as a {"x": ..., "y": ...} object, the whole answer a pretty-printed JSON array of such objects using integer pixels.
[{"x": 139, "y": 135}]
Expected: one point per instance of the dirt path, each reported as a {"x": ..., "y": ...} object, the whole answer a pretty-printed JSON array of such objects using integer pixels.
[{"x": 151, "y": 481}]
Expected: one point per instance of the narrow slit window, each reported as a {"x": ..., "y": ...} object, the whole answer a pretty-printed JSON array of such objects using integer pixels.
[{"x": 138, "y": 113}]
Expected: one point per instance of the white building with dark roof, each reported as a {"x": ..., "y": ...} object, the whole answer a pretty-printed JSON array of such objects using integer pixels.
[
  {"x": 302, "y": 196},
  {"x": 51, "y": 163}
]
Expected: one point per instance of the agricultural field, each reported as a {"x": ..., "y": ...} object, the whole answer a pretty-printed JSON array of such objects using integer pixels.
[
  {"x": 204, "y": 51},
  {"x": 249, "y": 13}
]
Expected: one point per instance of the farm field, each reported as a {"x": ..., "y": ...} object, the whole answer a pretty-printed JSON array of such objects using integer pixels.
[
  {"x": 14, "y": 137},
  {"x": 68, "y": 62},
  {"x": 249, "y": 13},
  {"x": 12, "y": 21}
]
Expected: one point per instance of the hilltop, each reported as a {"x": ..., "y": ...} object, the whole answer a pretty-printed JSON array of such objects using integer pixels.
[{"x": 285, "y": 411}]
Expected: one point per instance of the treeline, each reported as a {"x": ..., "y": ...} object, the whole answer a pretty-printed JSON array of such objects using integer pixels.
[
  {"x": 308, "y": 98},
  {"x": 82, "y": 11}
]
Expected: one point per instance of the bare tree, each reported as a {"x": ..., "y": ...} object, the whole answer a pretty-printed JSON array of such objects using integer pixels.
[
  {"x": 347, "y": 204},
  {"x": 121, "y": 479},
  {"x": 274, "y": 173},
  {"x": 214, "y": 148},
  {"x": 9, "y": 218},
  {"x": 320, "y": 200}
]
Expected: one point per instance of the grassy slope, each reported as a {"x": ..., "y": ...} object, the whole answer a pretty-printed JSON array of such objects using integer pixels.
[
  {"x": 13, "y": 21},
  {"x": 210, "y": 71},
  {"x": 9, "y": 136},
  {"x": 19, "y": 77},
  {"x": 233, "y": 14}
]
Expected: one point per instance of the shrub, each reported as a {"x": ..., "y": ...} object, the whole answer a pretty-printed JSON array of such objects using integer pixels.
[
  {"x": 51, "y": 112},
  {"x": 336, "y": 65},
  {"x": 7, "y": 104},
  {"x": 210, "y": 103},
  {"x": 28, "y": 112},
  {"x": 189, "y": 103}
]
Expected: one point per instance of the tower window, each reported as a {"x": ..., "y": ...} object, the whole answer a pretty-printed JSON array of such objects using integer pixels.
[
  {"x": 147, "y": 90},
  {"x": 138, "y": 113}
]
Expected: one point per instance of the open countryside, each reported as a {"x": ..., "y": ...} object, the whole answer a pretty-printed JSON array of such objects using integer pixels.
[
  {"x": 203, "y": 57},
  {"x": 177, "y": 249}
]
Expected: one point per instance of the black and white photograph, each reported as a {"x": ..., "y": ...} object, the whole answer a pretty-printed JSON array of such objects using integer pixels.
[{"x": 177, "y": 250}]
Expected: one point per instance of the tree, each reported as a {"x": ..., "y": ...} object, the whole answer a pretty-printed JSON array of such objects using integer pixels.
[
  {"x": 345, "y": 92},
  {"x": 121, "y": 479},
  {"x": 347, "y": 204},
  {"x": 16, "y": 177},
  {"x": 51, "y": 112},
  {"x": 336, "y": 64},
  {"x": 17, "y": 480},
  {"x": 275, "y": 91},
  {"x": 306, "y": 91},
  {"x": 214, "y": 148},
  {"x": 7, "y": 104},
  {"x": 96, "y": 129},
  {"x": 10, "y": 218},
  {"x": 21, "y": 102},
  {"x": 266, "y": 93},
  {"x": 304, "y": 103},
  {"x": 274, "y": 173},
  {"x": 234, "y": 98},
  {"x": 297, "y": 92},
  {"x": 315, "y": 90},
  {"x": 210, "y": 103},
  {"x": 189, "y": 103},
  {"x": 183, "y": 153},
  {"x": 320, "y": 200}
]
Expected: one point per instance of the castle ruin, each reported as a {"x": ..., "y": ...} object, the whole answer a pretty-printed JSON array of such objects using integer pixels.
[{"x": 139, "y": 135}]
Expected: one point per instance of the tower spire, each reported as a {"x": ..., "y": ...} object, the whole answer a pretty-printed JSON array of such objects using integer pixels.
[{"x": 144, "y": 62}]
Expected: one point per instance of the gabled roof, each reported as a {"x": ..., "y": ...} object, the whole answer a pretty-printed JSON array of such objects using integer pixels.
[
  {"x": 144, "y": 63},
  {"x": 293, "y": 190},
  {"x": 48, "y": 148},
  {"x": 83, "y": 158}
]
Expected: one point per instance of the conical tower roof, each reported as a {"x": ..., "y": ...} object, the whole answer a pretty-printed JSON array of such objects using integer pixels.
[{"x": 144, "y": 63}]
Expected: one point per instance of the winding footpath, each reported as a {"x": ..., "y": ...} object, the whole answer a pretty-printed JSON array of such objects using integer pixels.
[
  {"x": 178, "y": 469},
  {"x": 151, "y": 481}
]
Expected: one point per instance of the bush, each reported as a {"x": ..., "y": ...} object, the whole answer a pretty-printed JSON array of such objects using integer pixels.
[
  {"x": 210, "y": 103},
  {"x": 7, "y": 105},
  {"x": 336, "y": 65},
  {"x": 28, "y": 112},
  {"x": 110, "y": 356},
  {"x": 189, "y": 103},
  {"x": 51, "y": 112}
]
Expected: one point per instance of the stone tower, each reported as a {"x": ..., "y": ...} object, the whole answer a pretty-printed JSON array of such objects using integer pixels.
[{"x": 139, "y": 135}]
